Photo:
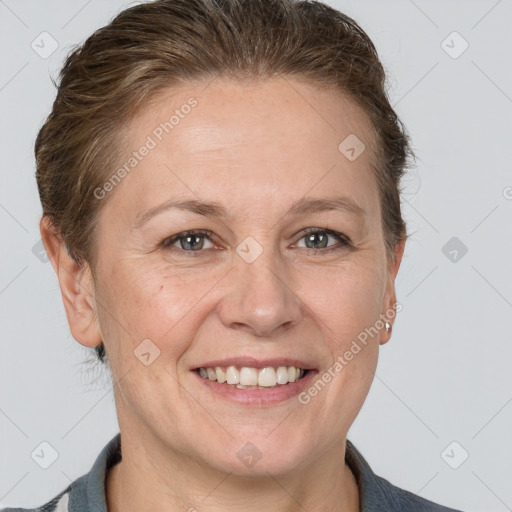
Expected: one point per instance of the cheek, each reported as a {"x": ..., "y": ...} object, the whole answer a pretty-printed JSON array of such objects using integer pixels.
[
  {"x": 141, "y": 303},
  {"x": 349, "y": 313},
  {"x": 346, "y": 301}
]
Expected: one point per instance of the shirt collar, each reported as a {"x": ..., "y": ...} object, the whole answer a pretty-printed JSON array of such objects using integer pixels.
[
  {"x": 90, "y": 488},
  {"x": 374, "y": 491}
]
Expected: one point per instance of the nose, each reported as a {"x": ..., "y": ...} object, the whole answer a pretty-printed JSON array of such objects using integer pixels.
[{"x": 259, "y": 301}]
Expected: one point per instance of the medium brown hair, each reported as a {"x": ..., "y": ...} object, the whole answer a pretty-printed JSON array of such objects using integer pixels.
[{"x": 152, "y": 46}]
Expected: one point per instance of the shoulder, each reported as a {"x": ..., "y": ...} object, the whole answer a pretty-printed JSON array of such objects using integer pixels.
[
  {"x": 405, "y": 501},
  {"x": 86, "y": 492},
  {"x": 377, "y": 493},
  {"x": 57, "y": 504}
]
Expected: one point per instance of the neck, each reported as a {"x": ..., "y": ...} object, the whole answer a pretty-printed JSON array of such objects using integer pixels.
[{"x": 153, "y": 477}]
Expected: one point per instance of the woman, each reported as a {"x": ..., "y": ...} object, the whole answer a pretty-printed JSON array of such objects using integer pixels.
[{"x": 220, "y": 190}]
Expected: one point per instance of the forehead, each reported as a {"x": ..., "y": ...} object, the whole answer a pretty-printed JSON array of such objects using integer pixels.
[
  {"x": 229, "y": 114},
  {"x": 269, "y": 139}
]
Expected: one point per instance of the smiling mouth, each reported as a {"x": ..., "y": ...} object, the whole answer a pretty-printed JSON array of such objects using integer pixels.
[{"x": 253, "y": 378}]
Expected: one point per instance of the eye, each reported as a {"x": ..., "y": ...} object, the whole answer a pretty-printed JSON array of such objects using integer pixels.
[
  {"x": 193, "y": 241},
  {"x": 316, "y": 238},
  {"x": 189, "y": 241}
]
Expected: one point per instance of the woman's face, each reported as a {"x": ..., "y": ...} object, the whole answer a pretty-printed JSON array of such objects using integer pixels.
[{"x": 254, "y": 166}]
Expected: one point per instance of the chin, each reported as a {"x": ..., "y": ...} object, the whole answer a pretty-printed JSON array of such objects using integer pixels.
[{"x": 259, "y": 454}]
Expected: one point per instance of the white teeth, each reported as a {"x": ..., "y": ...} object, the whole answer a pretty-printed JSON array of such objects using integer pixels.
[
  {"x": 221, "y": 375},
  {"x": 267, "y": 377},
  {"x": 282, "y": 375},
  {"x": 249, "y": 378},
  {"x": 232, "y": 375}
]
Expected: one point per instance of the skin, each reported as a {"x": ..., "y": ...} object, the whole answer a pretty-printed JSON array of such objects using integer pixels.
[{"x": 254, "y": 148}]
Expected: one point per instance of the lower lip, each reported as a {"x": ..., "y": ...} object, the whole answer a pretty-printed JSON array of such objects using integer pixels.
[{"x": 269, "y": 396}]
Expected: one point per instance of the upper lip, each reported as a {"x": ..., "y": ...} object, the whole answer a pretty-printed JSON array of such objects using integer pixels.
[{"x": 251, "y": 362}]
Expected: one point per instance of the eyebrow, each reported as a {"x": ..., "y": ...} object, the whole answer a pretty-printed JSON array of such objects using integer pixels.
[{"x": 215, "y": 210}]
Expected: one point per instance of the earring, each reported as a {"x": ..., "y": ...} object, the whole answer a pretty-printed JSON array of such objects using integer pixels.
[{"x": 388, "y": 327}]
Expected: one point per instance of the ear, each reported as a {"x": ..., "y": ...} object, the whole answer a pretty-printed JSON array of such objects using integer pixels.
[
  {"x": 76, "y": 286},
  {"x": 389, "y": 299}
]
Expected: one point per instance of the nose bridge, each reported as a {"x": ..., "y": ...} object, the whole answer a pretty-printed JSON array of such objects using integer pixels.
[
  {"x": 264, "y": 277},
  {"x": 260, "y": 300}
]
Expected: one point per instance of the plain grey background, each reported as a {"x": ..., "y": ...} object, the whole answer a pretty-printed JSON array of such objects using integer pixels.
[{"x": 438, "y": 418}]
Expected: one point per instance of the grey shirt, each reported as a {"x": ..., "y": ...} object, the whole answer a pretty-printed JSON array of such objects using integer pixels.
[{"x": 87, "y": 493}]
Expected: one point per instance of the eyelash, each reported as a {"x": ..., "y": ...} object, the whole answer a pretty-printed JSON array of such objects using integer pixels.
[{"x": 167, "y": 243}]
